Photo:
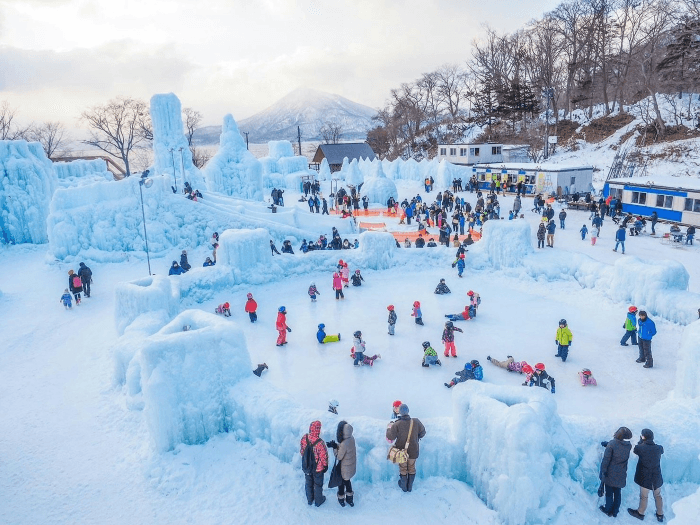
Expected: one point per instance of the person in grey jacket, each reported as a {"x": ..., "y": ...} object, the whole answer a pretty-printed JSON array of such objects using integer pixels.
[
  {"x": 613, "y": 469},
  {"x": 399, "y": 431},
  {"x": 346, "y": 453},
  {"x": 648, "y": 475}
]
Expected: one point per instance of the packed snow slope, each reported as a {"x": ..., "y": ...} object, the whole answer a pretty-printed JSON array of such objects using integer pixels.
[{"x": 170, "y": 416}]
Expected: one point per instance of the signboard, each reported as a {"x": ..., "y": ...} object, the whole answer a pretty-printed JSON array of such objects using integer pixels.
[
  {"x": 552, "y": 139},
  {"x": 521, "y": 178},
  {"x": 539, "y": 182}
]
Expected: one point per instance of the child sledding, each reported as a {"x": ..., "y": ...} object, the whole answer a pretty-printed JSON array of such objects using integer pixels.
[
  {"x": 357, "y": 352},
  {"x": 223, "y": 309},
  {"x": 586, "y": 378},
  {"x": 509, "y": 364},
  {"x": 323, "y": 338},
  {"x": 472, "y": 370},
  {"x": 441, "y": 288},
  {"x": 430, "y": 356}
]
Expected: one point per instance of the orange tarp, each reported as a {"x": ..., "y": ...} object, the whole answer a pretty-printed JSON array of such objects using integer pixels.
[
  {"x": 412, "y": 236},
  {"x": 372, "y": 226},
  {"x": 362, "y": 213}
]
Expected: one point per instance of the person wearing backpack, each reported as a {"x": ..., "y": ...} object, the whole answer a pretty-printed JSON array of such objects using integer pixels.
[
  {"x": 75, "y": 285},
  {"x": 406, "y": 432},
  {"x": 314, "y": 463},
  {"x": 86, "y": 278}
]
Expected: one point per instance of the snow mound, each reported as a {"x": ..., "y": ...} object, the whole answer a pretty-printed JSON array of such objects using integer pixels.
[
  {"x": 377, "y": 249},
  {"x": 26, "y": 186},
  {"x": 504, "y": 244},
  {"x": 183, "y": 379},
  {"x": 377, "y": 187},
  {"x": 688, "y": 371},
  {"x": 520, "y": 439},
  {"x": 172, "y": 157},
  {"x": 82, "y": 172},
  {"x": 686, "y": 510},
  {"x": 234, "y": 170}
]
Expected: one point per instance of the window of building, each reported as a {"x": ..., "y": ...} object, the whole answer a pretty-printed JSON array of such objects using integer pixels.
[
  {"x": 639, "y": 197},
  {"x": 453, "y": 152},
  {"x": 664, "y": 201},
  {"x": 443, "y": 151},
  {"x": 462, "y": 152},
  {"x": 475, "y": 152},
  {"x": 692, "y": 205},
  {"x": 495, "y": 150},
  {"x": 573, "y": 181}
]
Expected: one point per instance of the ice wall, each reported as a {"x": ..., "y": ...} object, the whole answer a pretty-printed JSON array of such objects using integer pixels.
[
  {"x": 171, "y": 152},
  {"x": 504, "y": 244},
  {"x": 183, "y": 379},
  {"x": 688, "y": 368},
  {"x": 377, "y": 187},
  {"x": 354, "y": 175},
  {"x": 245, "y": 252},
  {"x": 81, "y": 172},
  {"x": 324, "y": 172},
  {"x": 155, "y": 293},
  {"x": 282, "y": 169},
  {"x": 27, "y": 182},
  {"x": 516, "y": 452},
  {"x": 234, "y": 170}
]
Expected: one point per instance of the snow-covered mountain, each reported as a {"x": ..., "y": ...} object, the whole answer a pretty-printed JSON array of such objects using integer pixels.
[{"x": 304, "y": 107}]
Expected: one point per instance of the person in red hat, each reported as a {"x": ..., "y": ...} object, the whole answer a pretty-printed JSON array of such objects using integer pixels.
[
  {"x": 224, "y": 309},
  {"x": 417, "y": 313},
  {"x": 392, "y": 318},
  {"x": 251, "y": 307},
  {"x": 395, "y": 409},
  {"x": 630, "y": 327},
  {"x": 541, "y": 378}
]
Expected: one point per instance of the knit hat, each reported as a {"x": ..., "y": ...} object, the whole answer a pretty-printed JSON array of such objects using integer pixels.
[
  {"x": 403, "y": 409},
  {"x": 647, "y": 434},
  {"x": 397, "y": 403}
]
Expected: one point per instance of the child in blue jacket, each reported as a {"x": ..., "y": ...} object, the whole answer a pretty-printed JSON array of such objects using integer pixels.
[
  {"x": 66, "y": 299},
  {"x": 584, "y": 231}
]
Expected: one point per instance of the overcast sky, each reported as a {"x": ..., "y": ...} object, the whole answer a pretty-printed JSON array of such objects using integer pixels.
[{"x": 231, "y": 56}]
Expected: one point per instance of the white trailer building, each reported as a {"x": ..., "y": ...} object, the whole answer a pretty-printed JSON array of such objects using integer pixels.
[
  {"x": 470, "y": 154},
  {"x": 537, "y": 178}
]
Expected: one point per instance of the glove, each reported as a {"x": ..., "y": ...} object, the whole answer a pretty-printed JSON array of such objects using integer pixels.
[
  {"x": 552, "y": 390},
  {"x": 289, "y": 329},
  {"x": 604, "y": 444}
]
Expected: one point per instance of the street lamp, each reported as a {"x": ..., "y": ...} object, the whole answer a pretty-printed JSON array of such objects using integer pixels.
[{"x": 145, "y": 181}]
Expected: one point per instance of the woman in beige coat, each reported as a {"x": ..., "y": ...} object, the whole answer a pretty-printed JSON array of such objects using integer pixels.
[{"x": 346, "y": 454}]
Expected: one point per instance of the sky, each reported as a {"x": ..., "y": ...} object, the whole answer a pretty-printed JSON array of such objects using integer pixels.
[{"x": 59, "y": 57}]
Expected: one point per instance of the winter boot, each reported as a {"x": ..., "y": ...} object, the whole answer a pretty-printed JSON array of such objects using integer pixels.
[
  {"x": 634, "y": 513},
  {"x": 488, "y": 358},
  {"x": 338, "y": 337},
  {"x": 602, "y": 509},
  {"x": 449, "y": 385},
  {"x": 649, "y": 364},
  {"x": 409, "y": 485},
  {"x": 341, "y": 499},
  {"x": 323, "y": 500},
  {"x": 640, "y": 360},
  {"x": 349, "y": 498},
  {"x": 438, "y": 363},
  {"x": 403, "y": 483},
  {"x": 426, "y": 365},
  {"x": 659, "y": 518}
]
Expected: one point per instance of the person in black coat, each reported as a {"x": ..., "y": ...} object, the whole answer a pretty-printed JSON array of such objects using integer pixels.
[
  {"x": 183, "y": 262},
  {"x": 648, "y": 474},
  {"x": 613, "y": 469},
  {"x": 85, "y": 274}
]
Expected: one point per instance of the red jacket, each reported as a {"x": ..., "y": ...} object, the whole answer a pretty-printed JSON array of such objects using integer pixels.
[
  {"x": 320, "y": 450},
  {"x": 281, "y": 321},
  {"x": 251, "y": 306},
  {"x": 337, "y": 281}
]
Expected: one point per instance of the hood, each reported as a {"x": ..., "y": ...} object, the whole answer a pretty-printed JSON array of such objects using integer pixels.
[
  {"x": 314, "y": 430},
  {"x": 347, "y": 431}
]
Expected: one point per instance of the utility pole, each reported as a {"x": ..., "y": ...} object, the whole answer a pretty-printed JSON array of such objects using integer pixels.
[
  {"x": 549, "y": 93},
  {"x": 299, "y": 138},
  {"x": 172, "y": 159},
  {"x": 246, "y": 139}
]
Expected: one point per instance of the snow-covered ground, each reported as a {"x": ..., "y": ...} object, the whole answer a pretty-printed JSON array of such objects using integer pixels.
[{"x": 75, "y": 449}]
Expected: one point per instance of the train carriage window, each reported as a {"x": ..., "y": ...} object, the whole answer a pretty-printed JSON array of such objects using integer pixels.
[
  {"x": 635, "y": 197},
  {"x": 669, "y": 202},
  {"x": 659, "y": 201},
  {"x": 692, "y": 205},
  {"x": 696, "y": 208},
  {"x": 642, "y": 198},
  {"x": 639, "y": 197}
]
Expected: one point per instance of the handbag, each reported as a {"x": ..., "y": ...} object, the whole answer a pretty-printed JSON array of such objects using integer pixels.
[
  {"x": 400, "y": 455},
  {"x": 336, "y": 478}
]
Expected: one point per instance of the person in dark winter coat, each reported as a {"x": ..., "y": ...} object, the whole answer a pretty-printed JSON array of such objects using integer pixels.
[
  {"x": 392, "y": 318},
  {"x": 175, "y": 269},
  {"x": 620, "y": 236},
  {"x": 398, "y": 431},
  {"x": 273, "y": 248},
  {"x": 346, "y": 453},
  {"x": 183, "y": 262},
  {"x": 85, "y": 275},
  {"x": 287, "y": 247},
  {"x": 259, "y": 370},
  {"x": 448, "y": 337},
  {"x": 562, "y": 219},
  {"x": 541, "y": 378},
  {"x": 648, "y": 474},
  {"x": 551, "y": 227},
  {"x": 357, "y": 278},
  {"x": 314, "y": 480},
  {"x": 442, "y": 288},
  {"x": 208, "y": 262},
  {"x": 541, "y": 232},
  {"x": 647, "y": 330},
  {"x": 613, "y": 469},
  {"x": 654, "y": 220}
]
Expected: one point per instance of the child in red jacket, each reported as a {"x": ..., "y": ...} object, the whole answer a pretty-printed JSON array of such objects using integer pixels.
[
  {"x": 281, "y": 326},
  {"x": 251, "y": 307}
]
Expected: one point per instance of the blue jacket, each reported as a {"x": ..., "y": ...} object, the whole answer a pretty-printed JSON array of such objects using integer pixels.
[
  {"x": 409, "y": 212},
  {"x": 584, "y": 230},
  {"x": 175, "y": 270},
  {"x": 460, "y": 263},
  {"x": 597, "y": 221},
  {"x": 551, "y": 227},
  {"x": 320, "y": 335},
  {"x": 478, "y": 372},
  {"x": 647, "y": 329},
  {"x": 621, "y": 234},
  {"x": 461, "y": 220}
]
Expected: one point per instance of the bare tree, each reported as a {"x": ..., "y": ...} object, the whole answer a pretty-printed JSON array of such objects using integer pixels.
[
  {"x": 118, "y": 127},
  {"x": 193, "y": 119},
  {"x": 200, "y": 156},
  {"x": 52, "y": 136},
  {"x": 9, "y": 131},
  {"x": 331, "y": 132}
]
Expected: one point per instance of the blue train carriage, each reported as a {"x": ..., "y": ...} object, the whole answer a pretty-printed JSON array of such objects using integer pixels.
[{"x": 674, "y": 199}]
